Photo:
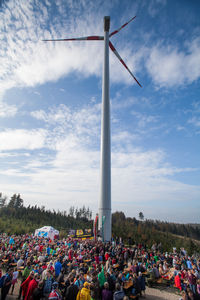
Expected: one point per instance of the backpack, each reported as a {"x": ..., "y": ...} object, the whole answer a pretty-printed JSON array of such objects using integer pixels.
[{"x": 2, "y": 280}]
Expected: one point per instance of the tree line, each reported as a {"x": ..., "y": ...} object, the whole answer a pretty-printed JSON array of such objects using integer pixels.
[
  {"x": 151, "y": 232},
  {"x": 15, "y": 218}
]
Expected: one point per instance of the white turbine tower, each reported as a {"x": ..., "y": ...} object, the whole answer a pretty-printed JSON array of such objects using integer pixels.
[{"x": 105, "y": 186}]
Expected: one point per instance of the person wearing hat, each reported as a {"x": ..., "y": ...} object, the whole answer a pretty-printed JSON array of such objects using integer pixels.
[
  {"x": 55, "y": 295},
  {"x": 84, "y": 294}
]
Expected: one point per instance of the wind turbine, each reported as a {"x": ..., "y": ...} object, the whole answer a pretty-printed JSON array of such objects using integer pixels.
[{"x": 105, "y": 165}]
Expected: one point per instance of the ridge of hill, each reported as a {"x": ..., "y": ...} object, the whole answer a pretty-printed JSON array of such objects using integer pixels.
[
  {"x": 168, "y": 235},
  {"x": 15, "y": 218}
]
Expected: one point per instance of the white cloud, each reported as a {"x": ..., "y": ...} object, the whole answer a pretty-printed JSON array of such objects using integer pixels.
[
  {"x": 194, "y": 121},
  {"x": 22, "y": 139},
  {"x": 196, "y": 106},
  {"x": 180, "y": 128},
  {"x": 6, "y": 154},
  {"x": 170, "y": 67},
  {"x": 123, "y": 137},
  {"x": 71, "y": 173},
  {"x": 145, "y": 120},
  {"x": 73, "y": 177},
  {"x": 37, "y": 93},
  {"x": 7, "y": 111}
]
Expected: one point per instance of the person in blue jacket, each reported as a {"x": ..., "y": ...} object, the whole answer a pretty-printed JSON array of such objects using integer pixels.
[{"x": 58, "y": 267}]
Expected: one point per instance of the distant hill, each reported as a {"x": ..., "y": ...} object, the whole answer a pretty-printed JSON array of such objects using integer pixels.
[
  {"x": 194, "y": 225},
  {"x": 15, "y": 218},
  {"x": 150, "y": 232}
]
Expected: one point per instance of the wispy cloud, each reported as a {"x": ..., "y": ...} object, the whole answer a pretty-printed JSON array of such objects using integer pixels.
[
  {"x": 27, "y": 61},
  {"x": 117, "y": 102},
  {"x": 154, "y": 6},
  {"x": 180, "y": 128},
  {"x": 196, "y": 106},
  {"x": 84, "y": 123},
  {"x": 194, "y": 116},
  {"x": 123, "y": 137},
  {"x": 170, "y": 67},
  {"x": 194, "y": 121},
  {"x": 145, "y": 120},
  {"x": 7, "y": 111}
]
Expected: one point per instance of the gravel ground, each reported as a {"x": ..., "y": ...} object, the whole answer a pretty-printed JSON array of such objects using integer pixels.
[
  {"x": 156, "y": 294},
  {"x": 151, "y": 294}
]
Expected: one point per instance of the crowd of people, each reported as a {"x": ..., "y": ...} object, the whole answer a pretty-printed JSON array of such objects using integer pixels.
[{"x": 73, "y": 269}]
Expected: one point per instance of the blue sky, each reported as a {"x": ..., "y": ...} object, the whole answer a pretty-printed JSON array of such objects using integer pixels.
[{"x": 50, "y": 105}]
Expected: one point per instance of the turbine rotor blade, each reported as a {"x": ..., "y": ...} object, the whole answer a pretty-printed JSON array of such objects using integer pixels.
[
  {"x": 116, "y": 31},
  {"x": 86, "y": 38},
  {"x": 123, "y": 63}
]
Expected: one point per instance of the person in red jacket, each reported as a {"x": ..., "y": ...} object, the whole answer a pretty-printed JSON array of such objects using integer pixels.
[
  {"x": 107, "y": 256},
  {"x": 177, "y": 281},
  {"x": 96, "y": 258},
  {"x": 32, "y": 286},
  {"x": 24, "y": 285}
]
